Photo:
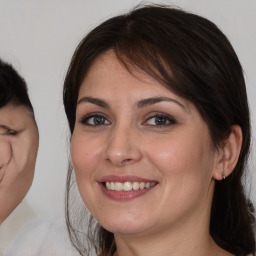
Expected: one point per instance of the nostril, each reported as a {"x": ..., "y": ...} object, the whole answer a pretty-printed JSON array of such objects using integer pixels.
[{"x": 127, "y": 160}]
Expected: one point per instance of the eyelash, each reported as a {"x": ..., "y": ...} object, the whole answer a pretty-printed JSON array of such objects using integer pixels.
[
  {"x": 8, "y": 131},
  {"x": 11, "y": 132},
  {"x": 168, "y": 120},
  {"x": 85, "y": 120}
]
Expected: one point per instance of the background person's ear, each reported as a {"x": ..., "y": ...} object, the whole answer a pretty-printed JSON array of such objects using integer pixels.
[{"x": 229, "y": 153}]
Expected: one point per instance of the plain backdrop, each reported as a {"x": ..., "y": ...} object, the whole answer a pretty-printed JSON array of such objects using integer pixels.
[{"x": 39, "y": 37}]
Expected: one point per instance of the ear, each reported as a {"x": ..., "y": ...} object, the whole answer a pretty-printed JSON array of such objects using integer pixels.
[{"x": 228, "y": 153}]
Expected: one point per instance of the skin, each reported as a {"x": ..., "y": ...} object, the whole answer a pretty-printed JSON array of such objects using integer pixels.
[
  {"x": 173, "y": 217},
  {"x": 18, "y": 151}
]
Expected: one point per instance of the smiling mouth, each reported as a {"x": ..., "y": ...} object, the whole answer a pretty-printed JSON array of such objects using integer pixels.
[{"x": 128, "y": 186}]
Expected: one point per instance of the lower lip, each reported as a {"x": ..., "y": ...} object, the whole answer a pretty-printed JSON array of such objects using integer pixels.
[{"x": 124, "y": 195}]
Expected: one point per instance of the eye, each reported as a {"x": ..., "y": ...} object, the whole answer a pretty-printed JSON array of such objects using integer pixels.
[
  {"x": 160, "y": 120},
  {"x": 94, "y": 120},
  {"x": 11, "y": 132},
  {"x": 4, "y": 130}
]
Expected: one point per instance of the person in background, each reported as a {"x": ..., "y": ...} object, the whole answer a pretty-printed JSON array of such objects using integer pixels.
[
  {"x": 22, "y": 231},
  {"x": 19, "y": 140}
]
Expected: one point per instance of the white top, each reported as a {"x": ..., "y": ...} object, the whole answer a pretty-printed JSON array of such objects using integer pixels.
[
  {"x": 42, "y": 237},
  {"x": 15, "y": 221}
]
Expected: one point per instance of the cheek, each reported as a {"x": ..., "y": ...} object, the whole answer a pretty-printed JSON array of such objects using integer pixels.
[
  {"x": 85, "y": 153},
  {"x": 83, "y": 161},
  {"x": 184, "y": 162},
  {"x": 185, "y": 167},
  {"x": 5, "y": 151},
  {"x": 176, "y": 154}
]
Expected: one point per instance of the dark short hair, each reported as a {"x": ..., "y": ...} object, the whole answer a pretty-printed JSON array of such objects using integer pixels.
[
  {"x": 13, "y": 88},
  {"x": 189, "y": 55}
]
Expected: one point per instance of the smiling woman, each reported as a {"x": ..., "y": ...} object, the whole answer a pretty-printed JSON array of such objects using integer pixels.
[{"x": 160, "y": 134}]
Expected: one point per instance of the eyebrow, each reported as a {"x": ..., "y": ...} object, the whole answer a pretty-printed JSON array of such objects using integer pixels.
[
  {"x": 7, "y": 128},
  {"x": 4, "y": 127},
  {"x": 154, "y": 100},
  {"x": 95, "y": 101},
  {"x": 141, "y": 104}
]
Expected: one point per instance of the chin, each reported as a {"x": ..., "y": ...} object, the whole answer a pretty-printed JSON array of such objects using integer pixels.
[
  {"x": 126, "y": 224},
  {"x": 125, "y": 229}
]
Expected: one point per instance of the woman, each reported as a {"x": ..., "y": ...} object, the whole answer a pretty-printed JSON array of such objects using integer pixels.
[
  {"x": 18, "y": 140},
  {"x": 160, "y": 134}
]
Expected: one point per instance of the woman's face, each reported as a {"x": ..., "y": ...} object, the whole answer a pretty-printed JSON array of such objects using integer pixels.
[{"x": 142, "y": 155}]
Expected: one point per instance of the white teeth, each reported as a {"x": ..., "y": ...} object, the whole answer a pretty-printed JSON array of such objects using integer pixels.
[
  {"x": 118, "y": 186},
  {"x": 112, "y": 185},
  {"x": 147, "y": 185},
  {"x": 142, "y": 185},
  {"x": 135, "y": 185},
  {"x": 128, "y": 186},
  {"x": 108, "y": 185}
]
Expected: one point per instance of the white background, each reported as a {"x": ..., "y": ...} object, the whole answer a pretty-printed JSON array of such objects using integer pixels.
[{"x": 39, "y": 37}]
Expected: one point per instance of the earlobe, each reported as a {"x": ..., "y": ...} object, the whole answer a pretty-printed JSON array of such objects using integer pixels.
[{"x": 229, "y": 154}]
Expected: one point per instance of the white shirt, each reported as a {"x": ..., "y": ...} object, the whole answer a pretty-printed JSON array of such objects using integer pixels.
[
  {"x": 42, "y": 237},
  {"x": 10, "y": 227}
]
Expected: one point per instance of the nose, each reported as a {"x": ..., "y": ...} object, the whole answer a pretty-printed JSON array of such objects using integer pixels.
[{"x": 123, "y": 146}]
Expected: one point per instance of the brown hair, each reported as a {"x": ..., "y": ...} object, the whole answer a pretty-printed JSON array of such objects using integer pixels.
[{"x": 189, "y": 55}]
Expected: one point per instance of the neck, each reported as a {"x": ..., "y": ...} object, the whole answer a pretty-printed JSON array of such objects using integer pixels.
[
  {"x": 177, "y": 244},
  {"x": 190, "y": 236}
]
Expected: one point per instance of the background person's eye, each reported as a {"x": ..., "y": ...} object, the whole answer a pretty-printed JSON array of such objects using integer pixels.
[
  {"x": 160, "y": 120},
  {"x": 94, "y": 120},
  {"x": 4, "y": 130},
  {"x": 11, "y": 132}
]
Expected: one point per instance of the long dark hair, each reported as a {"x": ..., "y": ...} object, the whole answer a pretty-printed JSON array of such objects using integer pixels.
[{"x": 189, "y": 55}]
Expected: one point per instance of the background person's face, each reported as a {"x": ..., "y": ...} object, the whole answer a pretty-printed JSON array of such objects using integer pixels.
[
  {"x": 18, "y": 150},
  {"x": 133, "y": 132},
  {"x": 5, "y": 149}
]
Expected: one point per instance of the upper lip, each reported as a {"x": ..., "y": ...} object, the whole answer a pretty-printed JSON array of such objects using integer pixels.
[{"x": 130, "y": 178}]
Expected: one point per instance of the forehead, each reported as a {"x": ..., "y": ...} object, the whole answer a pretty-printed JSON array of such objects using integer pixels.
[
  {"x": 15, "y": 115},
  {"x": 106, "y": 69},
  {"x": 107, "y": 77}
]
